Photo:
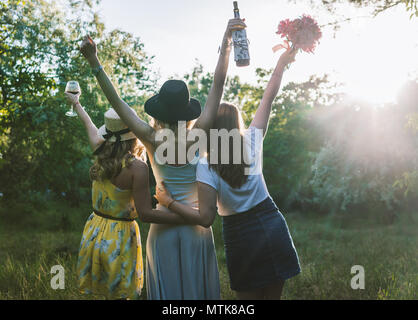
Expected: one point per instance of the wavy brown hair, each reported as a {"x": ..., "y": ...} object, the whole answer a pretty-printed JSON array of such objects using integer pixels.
[
  {"x": 229, "y": 118},
  {"x": 106, "y": 167}
]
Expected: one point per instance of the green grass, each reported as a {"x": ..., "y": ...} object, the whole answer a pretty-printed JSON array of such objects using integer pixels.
[{"x": 33, "y": 240}]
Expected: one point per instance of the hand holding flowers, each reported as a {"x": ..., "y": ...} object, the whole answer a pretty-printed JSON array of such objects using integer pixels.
[{"x": 302, "y": 33}]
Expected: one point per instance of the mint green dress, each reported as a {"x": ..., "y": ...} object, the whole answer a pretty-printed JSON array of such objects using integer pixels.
[{"x": 181, "y": 259}]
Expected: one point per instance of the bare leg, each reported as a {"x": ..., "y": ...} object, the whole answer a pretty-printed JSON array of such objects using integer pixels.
[
  {"x": 274, "y": 292},
  {"x": 250, "y": 294}
]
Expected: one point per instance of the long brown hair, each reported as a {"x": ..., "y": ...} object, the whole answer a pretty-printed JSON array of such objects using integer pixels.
[
  {"x": 229, "y": 118},
  {"x": 106, "y": 167}
]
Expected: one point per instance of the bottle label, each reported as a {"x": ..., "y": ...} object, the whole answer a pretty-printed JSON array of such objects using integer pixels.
[{"x": 240, "y": 42}]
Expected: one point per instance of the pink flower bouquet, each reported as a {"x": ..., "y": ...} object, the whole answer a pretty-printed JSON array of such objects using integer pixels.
[{"x": 302, "y": 33}]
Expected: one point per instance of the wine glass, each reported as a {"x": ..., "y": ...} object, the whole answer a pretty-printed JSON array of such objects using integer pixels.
[{"x": 72, "y": 87}]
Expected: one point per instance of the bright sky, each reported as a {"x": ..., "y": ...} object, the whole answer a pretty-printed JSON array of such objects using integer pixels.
[{"x": 373, "y": 56}]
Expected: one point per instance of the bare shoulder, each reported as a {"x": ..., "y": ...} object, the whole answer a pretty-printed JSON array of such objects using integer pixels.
[{"x": 139, "y": 168}]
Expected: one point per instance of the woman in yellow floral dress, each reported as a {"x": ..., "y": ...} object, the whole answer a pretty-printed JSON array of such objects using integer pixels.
[{"x": 110, "y": 255}]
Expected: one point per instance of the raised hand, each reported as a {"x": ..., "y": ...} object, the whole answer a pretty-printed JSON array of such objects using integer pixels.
[
  {"x": 207, "y": 118},
  {"x": 233, "y": 25},
  {"x": 73, "y": 98},
  {"x": 288, "y": 56},
  {"x": 88, "y": 48}
]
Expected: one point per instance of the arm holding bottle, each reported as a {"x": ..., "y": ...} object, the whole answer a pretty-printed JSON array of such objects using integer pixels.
[{"x": 206, "y": 119}]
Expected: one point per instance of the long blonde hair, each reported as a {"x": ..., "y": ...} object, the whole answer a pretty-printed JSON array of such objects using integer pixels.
[
  {"x": 158, "y": 125},
  {"x": 106, "y": 167}
]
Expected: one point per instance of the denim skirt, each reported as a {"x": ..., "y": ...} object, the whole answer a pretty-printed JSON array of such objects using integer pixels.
[{"x": 258, "y": 247}]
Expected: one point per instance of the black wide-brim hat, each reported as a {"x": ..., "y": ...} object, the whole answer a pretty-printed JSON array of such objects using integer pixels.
[{"x": 173, "y": 103}]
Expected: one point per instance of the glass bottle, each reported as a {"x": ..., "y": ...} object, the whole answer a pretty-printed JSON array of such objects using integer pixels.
[{"x": 240, "y": 42}]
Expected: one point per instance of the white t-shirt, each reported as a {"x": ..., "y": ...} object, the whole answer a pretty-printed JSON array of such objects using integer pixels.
[{"x": 252, "y": 192}]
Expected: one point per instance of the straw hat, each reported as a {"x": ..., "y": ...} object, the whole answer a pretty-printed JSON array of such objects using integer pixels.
[
  {"x": 114, "y": 131},
  {"x": 112, "y": 127}
]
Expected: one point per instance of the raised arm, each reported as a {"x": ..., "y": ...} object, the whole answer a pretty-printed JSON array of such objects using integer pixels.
[
  {"x": 203, "y": 216},
  {"x": 206, "y": 119},
  {"x": 262, "y": 115},
  {"x": 94, "y": 140},
  {"x": 138, "y": 126},
  {"x": 142, "y": 199}
]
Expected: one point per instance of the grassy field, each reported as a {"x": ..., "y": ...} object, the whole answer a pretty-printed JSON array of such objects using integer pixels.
[{"x": 33, "y": 240}]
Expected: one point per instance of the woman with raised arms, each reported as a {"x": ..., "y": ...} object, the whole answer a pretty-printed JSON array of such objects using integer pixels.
[
  {"x": 181, "y": 259},
  {"x": 259, "y": 250}
]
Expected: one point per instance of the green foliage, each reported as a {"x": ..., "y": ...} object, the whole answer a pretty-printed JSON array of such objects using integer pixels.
[
  {"x": 408, "y": 181},
  {"x": 41, "y": 148},
  {"x": 365, "y": 151},
  {"x": 341, "y": 183},
  {"x": 199, "y": 83}
]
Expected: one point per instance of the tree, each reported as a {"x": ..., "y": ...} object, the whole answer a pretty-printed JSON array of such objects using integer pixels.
[
  {"x": 408, "y": 180},
  {"x": 366, "y": 149},
  {"x": 40, "y": 148}
]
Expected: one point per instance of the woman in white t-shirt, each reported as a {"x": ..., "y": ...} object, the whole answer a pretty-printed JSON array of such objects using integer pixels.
[{"x": 259, "y": 250}]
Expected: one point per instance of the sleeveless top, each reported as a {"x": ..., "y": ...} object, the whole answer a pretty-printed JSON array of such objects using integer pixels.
[
  {"x": 180, "y": 181},
  {"x": 113, "y": 201}
]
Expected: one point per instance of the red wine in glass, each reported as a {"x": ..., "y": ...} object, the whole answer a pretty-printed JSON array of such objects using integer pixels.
[{"x": 72, "y": 87}]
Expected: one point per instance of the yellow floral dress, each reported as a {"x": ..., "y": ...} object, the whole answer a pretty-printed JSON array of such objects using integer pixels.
[{"x": 110, "y": 256}]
